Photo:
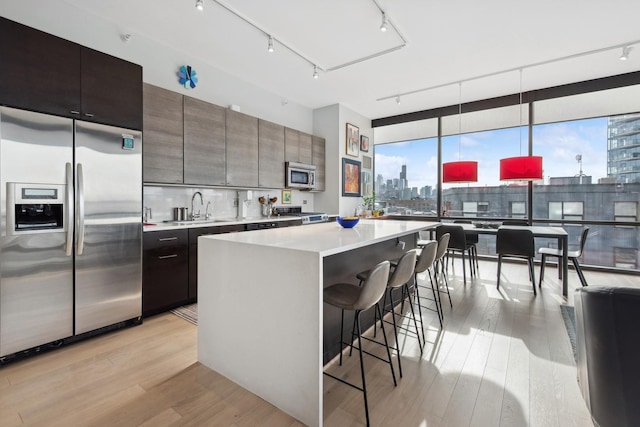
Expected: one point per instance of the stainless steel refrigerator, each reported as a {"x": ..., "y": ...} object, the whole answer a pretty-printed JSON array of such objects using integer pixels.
[{"x": 71, "y": 231}]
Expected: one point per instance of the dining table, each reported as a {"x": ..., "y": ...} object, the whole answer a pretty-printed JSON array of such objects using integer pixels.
[{"x": 538, "y": 231}]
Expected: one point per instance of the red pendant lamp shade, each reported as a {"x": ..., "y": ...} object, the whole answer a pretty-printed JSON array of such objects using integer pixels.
[
  {"x": 521, "y": 168},
  {"x": 460, "y": 172}
]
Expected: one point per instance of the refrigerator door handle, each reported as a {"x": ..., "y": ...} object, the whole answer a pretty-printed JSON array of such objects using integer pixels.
[
  {"x": 69, "y": 213},
  {"x": 80, "y": 209}
]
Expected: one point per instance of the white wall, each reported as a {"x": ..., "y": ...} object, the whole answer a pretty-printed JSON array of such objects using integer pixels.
[{"x": 331, "y": 123}]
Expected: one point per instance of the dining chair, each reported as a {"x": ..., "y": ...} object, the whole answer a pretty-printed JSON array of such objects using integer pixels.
[
  {"x": 457, "y": 243},
  {"x": 572, "y": 255},
  {"x": 472, "y": 240},
  {"x": 516, "y": 244}
]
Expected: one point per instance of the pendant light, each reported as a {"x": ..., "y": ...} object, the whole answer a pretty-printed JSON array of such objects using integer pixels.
[
  {"x": 521, "y": 168},
  {"x": 460, "y": 171}
]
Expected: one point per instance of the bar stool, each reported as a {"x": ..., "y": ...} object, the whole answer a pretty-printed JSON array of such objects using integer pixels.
[
  {"x": 399, "y": 279},
  {"x": 458, "y": 243},
  {"x": 424, "y": 263},
  {"x": 439, "y": 267},
  {"x": 472, "y": 240},
  {"x": 347, "y": 296}
]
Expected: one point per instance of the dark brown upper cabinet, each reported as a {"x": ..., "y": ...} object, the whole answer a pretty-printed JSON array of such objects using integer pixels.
[
  {"x": 111, "y": 90},
  {"x": 44, "y": 73},
  {"x": 39, "y": 72}
]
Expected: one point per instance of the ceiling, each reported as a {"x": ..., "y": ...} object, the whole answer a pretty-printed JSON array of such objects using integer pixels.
[{"x": 553, "y": 42}]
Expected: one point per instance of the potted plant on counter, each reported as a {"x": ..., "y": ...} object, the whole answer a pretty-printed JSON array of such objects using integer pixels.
[{"x": 369, "y": 203}]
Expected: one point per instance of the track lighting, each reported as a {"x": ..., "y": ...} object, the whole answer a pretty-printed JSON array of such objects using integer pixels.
[
  {"x": 315, "y": 72},
  {"x": 385, "y": 22},
  {"x": 398, "y": 100},
  {"x": 270, "y": 46},
  {"x": 626, "y": 50},
  {"x": 200, "y": 5}
]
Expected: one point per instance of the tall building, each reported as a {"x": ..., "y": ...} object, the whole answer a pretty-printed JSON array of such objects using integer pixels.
[
  {"x": 623, "y": 149},
  {"x": 404, "y": 183}
]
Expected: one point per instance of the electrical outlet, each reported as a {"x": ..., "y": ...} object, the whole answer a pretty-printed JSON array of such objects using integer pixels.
[{"x": 304, "y": 202}]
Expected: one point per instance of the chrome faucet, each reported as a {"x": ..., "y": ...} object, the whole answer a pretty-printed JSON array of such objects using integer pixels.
[
  {"x": 207, "y": 214},
  {"x": 195, "y": 215},
  {"x": 147, "y": 214}
]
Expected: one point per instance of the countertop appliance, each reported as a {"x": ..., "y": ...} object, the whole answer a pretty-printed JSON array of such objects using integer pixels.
[
  {"x": 300, "y": 176},
  {"x": 71, "y": 232},
  {"x": 307, "y": 217}
]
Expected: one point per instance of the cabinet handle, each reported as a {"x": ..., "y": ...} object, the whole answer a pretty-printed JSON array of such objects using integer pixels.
[
  {"x": 166, "y": 239},
  {"x": 88, "y": 114},
  {"x": 168, "y": 256},
  {"x": 74, "y": 112}
]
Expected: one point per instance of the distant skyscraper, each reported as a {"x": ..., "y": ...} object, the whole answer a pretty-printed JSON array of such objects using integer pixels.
[
  {"x": 623, "y": 149},
  {"x": 404, "y": 183}
]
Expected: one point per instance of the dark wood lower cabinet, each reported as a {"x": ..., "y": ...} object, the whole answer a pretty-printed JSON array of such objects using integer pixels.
[
  {"x": 170, "y": 263},
  {"x": 194, "y": 233},
  {"x": 165, "y": 270}
]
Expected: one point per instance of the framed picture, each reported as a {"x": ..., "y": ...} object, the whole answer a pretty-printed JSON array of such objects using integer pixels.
[
  {"x": 364, "y": 143},
  {"x": 286, "y": 197},
  {"x": 353, "y": 140},
  {"x": 351, "y": 178},
  {"x": 367, "y": 187},
  {"x": 366, "y": 162}
]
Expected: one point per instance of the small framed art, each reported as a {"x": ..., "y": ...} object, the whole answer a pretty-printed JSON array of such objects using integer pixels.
[
  {"x": 364, "y": 143},
  {"x": 353, "y": 140}
]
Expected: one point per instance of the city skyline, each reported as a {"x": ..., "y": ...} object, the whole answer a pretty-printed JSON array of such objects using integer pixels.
[{"x": 557, "y": 143}]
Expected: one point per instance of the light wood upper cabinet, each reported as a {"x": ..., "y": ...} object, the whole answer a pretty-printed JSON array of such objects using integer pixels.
[
  {"x": 271, "y": 155},
  {"x": 291, "y": 145},
  {"x": 242, "y": 150},
  {"x": 305, "y": 148},
  {"x": 297, "y": 146},
  {"x": 204, "y": 143},
  {"x": 162, "y": 129},
  {"x": 319, "y": 160}
]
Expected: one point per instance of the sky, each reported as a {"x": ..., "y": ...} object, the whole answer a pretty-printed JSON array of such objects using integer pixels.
[{"x": 557, "y": 143}]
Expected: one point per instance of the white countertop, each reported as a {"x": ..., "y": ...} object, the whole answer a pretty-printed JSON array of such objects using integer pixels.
[
  {"x": 162, "y": 226},
  {"x": 327, "y": 238}
]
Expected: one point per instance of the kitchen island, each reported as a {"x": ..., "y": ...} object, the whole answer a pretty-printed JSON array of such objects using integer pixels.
[{"x": 260, "y": 312}]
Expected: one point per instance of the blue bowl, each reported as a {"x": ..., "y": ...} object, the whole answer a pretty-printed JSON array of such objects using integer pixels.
[{"x": 347, "y": 223}]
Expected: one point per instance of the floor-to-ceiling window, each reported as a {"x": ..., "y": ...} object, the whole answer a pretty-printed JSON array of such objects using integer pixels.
[{"x": 590, "y": 144}]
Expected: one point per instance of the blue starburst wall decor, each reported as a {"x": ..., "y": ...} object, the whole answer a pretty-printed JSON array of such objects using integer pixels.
[{"x": 187, "y": 77}]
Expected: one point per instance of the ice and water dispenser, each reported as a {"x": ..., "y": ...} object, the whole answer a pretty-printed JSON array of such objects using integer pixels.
[{"x": 35, "y": 208}]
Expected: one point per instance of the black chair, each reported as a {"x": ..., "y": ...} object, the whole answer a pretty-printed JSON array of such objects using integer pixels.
[
  {"x": 608, "y": 352},
  {"x": 572, "y": 255},
  {"x": 472, "y": 240},
  {"x": 516, "y": 244},
  {"x": 347, "y": 296},
  {"x": 457, "y": 243},
  {"x": 522, "y": 222}
]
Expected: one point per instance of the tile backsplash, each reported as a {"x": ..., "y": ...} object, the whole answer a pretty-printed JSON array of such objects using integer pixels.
[{"x": 162, "y": 200}]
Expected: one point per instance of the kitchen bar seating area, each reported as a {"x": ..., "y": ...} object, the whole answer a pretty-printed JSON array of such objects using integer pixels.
[{"x": 502, "y": 358}]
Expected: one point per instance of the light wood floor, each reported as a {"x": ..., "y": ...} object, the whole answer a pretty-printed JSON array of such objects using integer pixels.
[{"x": 503, "y": 359}]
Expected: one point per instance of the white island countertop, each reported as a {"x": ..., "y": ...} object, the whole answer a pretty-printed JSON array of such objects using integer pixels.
[
  {"x": 260, "y": 308},
  {"x": 328, "y": 238}
]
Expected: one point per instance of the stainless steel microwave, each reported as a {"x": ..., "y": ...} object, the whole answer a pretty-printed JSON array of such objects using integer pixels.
[{"x": 300, "y": 175}]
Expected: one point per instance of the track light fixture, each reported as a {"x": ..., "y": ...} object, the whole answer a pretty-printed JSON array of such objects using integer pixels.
[
  {"x": 626, "y": 50},
  {"x": 398, "y": 100},
  {"x": 200, "y": 5},
  {"x": 385, "y": 22},
  {"x": 315, "y": 72},
  {"x": 270, "y": 46}
]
